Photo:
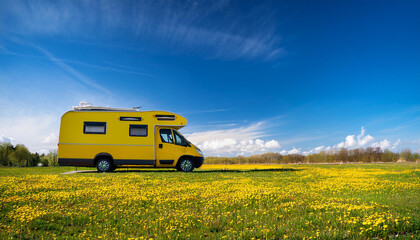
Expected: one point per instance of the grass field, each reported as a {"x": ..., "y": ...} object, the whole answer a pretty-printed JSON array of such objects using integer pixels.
[{"x": 217, "y": 202}]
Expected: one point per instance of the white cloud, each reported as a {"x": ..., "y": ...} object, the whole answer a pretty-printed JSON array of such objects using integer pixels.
[
  {"x": 52, "y": 138},
  {"x": 385, "y": 144},
  {"x": 361, "y": 140},
  {"x": 247, "y": 141},
  {"x": 36, "y": 126},
  {"x": 317, "y": 150},
  {"x": 272, "y": 144},
  {"x": 6, "y": 139},
  {"x": 322, "y": 148},
  {"x": 352, "y": 142},
  {"x": 236, "y": 141},
  {"x": 382, "y": 144},
  {"x": 36, "y": 132},
  {"x": 395, "y": 145},
  {"x": 294, "y": 151},
  {"x": 44, "y": 151}
]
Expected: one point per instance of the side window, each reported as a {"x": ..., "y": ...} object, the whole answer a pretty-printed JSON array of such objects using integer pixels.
[
  {"x": 94, "y": 127},
  {"x": 138, "y": 130},
  {"x": 166, "y": 135}
]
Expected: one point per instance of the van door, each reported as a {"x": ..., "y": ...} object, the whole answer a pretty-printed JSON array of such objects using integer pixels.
[{"x": 167, "y": 153}]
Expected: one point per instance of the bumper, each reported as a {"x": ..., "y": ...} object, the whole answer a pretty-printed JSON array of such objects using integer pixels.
[{"x": 198, "y": 161}]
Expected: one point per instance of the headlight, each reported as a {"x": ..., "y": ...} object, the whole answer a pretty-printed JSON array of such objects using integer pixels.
[{"x": 199, "y": 151}]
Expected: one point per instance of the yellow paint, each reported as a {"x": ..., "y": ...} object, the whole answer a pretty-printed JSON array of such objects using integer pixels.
[{"x": 75, "y": 144}]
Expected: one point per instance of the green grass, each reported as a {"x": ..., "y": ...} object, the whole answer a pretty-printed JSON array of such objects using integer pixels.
[
  {"x": 21, "y": 171},
  {"x": 363, "y": 201}
]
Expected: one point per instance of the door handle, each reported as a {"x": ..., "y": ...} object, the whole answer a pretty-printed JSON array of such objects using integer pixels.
[{"x": 160, "y": 145}]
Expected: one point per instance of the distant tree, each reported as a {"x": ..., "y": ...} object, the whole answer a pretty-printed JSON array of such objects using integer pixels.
[
  {"x": 377, "y": 154},
  {"x": 269, "y": 157},
  {"x": 323, "y": 157},
  {"x": 407, "y": 155},
  {"x": 6, "y": 150},
  {"x": 295, "y": 158},
  {"x": 355, "y": 155},
  {"x": 35, "y": 159},
  {"x": 310, "y": 158},
  {"x": 20, "y": 156},
  {"x": 52, "y": 158},
  {"x": 416, "y": 157},
  {"x": 368, "y": 155},
  {"x": 389, "y": 156},
  {"x": 44, "y": 160},
  {"x": 343, "y": 155}
]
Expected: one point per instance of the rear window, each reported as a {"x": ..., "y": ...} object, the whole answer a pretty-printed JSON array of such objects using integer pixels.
[
  {"x": 94, "y": 127},
  {"x": 138, "y": 130}
]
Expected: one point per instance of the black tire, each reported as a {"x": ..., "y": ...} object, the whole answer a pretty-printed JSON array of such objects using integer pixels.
[
  {"x": 185, "y": 165},
  {"x": 104, "y": 165}
]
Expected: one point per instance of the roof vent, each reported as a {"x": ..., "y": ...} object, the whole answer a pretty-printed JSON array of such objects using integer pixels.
[
  {"x": 165, "y": 117},
  {"x": 86, "y": 106}
]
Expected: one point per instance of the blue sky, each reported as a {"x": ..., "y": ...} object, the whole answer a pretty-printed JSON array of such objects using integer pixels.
[{"x": 250, "y": 76}]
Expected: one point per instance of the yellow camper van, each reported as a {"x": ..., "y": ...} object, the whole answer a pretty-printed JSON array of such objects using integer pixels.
[{"x": 109, "y": 138}]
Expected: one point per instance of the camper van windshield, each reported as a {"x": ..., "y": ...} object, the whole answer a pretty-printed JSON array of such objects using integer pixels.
[{"x": 179, "y": 139}]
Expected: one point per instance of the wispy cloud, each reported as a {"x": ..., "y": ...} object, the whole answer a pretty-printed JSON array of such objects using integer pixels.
[
  {"x": 219, "y": 44},
  {"x": 3, "y": 48},
  {"x": 80, "y": 77},
  {"x": 76, "y": 74},
  {"x": 106, "y": 68},
  {"x": 207, "y": 111},
  {"x": 394, "y": 129},
  {"x": 299, "y": 139},
  {"x": 182, "y": 28},
  {"x": 119, "y": 69}
]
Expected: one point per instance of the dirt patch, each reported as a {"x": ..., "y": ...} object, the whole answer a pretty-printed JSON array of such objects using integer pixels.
[{"x": 81, "y": 171}]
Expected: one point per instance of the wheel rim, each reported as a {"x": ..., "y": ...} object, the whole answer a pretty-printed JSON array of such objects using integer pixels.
[
  {"x": 186, "y": 165},
  {"x": 103, "y": 165}
]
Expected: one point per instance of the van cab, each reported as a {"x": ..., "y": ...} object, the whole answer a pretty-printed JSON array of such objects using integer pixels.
[{"x": 108, "y": 138}]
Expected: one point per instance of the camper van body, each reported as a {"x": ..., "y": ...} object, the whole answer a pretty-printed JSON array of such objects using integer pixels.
[{"x": 110, "y": 138}]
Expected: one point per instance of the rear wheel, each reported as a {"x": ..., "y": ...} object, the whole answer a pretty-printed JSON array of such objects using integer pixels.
[
  {"x": 186, "y": 165},
  {"x": 104, "y": 165}
]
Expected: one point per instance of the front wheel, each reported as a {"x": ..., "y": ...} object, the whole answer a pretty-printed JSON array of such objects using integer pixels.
[
  {"x": 186, "y": 165},
  {"x": 104, "y": 165}
]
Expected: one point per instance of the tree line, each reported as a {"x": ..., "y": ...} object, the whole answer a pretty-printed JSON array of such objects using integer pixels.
[
  {"x": 19, "y": 156},
  {"x": 343, "y": 155}
]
